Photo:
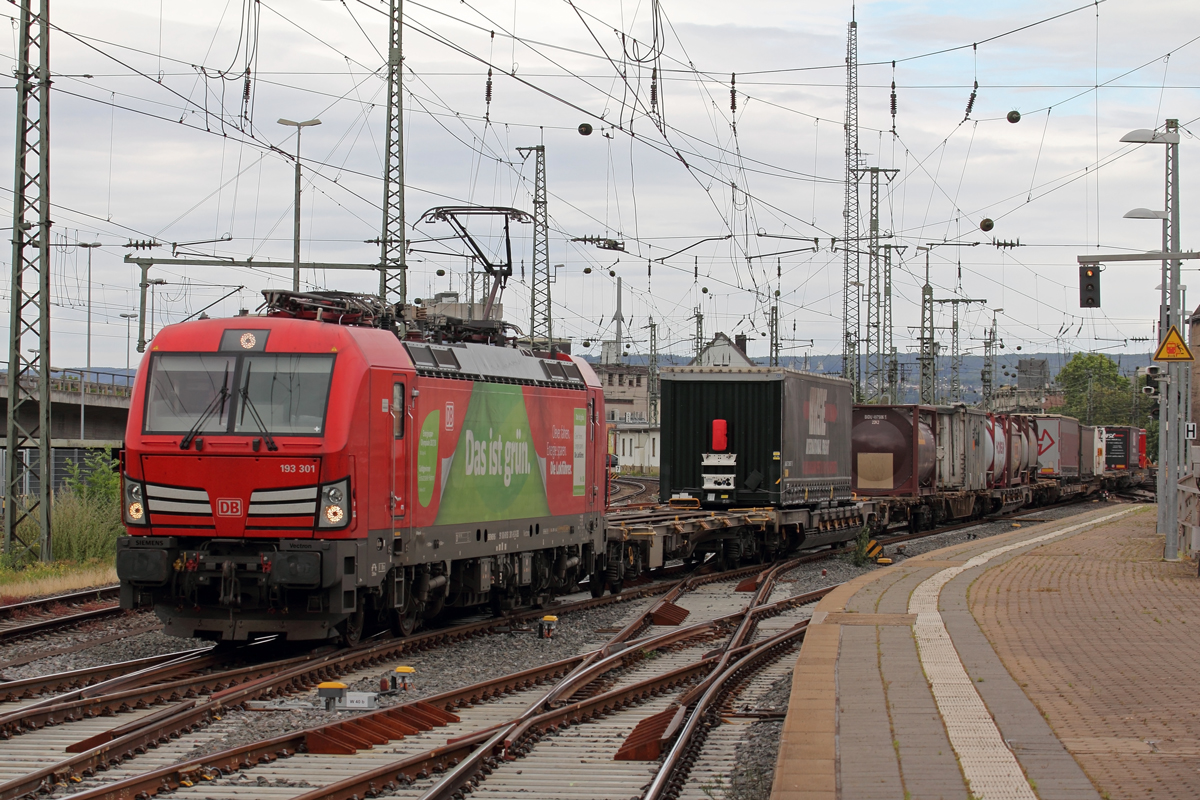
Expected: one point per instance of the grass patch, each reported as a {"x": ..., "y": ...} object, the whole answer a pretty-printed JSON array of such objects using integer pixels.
[
  {"x": 85, "y": 520},
  {"x": 41, "y": 580}
]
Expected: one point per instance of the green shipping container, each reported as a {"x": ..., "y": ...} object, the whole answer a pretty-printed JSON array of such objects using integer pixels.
[{"x": 755, "y": 436}]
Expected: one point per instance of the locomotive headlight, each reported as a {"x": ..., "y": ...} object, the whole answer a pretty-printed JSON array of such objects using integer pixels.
[
  {"x": 335, "y": 505},
  {"x": 135, "y": 504}
]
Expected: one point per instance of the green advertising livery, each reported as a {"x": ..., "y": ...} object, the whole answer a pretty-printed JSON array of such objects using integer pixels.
[
  {"x": 427, "y": 457},
  {"x": 494, "y": 472}
]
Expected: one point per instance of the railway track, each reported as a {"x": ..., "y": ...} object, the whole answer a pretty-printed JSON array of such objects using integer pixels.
[
  {"x": 164, "y": 716},
  {"x": 35, "y": 617},
  {"x": 41, "y": 768},
  {"x": 633, "y": 491},
  {"x": 457, "y": 732}
]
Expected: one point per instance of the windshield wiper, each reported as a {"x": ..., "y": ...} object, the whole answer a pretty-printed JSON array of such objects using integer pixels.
[
  {"x": 217, "y": 402},
  {"x": 247, "y": 403}
]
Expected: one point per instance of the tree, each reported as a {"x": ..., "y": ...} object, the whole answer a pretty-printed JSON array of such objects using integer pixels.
[{"x": 1096, "y": 393}]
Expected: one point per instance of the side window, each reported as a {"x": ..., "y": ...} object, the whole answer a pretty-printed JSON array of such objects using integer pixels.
[{"x": 398, "y": 410}]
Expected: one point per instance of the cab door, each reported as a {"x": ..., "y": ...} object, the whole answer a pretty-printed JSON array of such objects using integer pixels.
[
  {"x": 400, "y": 453},
  {"x": 388, "y": 473},
  {"x": 596, "y": 448}
]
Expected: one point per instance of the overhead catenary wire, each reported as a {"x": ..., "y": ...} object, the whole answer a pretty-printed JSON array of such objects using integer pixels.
[{"x": 736, "y": 196}]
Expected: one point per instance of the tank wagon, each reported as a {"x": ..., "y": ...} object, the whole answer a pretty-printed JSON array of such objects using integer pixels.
[
  {"x": 308, "y": 473},
  {"x": 932, "y": 463},
  {"x": 926, "y": 465}
]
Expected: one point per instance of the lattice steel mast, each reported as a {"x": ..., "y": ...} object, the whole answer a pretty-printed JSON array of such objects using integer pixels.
[
  {"x": 541, "y": 325},
  {"x": 927, "y": 359},
  {"x": 892, "y": 381},
  {"x": 988, "y": 376},
  {"x": 878, "y": 320},
  {"x": 851, "y": 319},
  {"x": 955, "y": 349},
  {"x": 774, "y": 335},
  {"x": 393, "y": 278},
  {"x": 29, "y": 310},
  {"x": 652, "y": 386}
]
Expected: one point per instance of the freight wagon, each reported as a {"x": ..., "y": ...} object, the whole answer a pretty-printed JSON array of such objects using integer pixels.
[
  {"x": 930, "y": 464},
  {"x": 775, "y": 441},
  {"x": 754, "y": 436}
]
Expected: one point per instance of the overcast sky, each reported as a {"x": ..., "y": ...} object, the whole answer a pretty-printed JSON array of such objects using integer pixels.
[{"x": 154, "y": 138}]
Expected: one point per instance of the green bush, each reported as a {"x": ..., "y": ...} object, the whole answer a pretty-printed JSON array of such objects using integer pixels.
[
  {"x": 859, "y": 554},
  {"x": 85, "y": 515}
]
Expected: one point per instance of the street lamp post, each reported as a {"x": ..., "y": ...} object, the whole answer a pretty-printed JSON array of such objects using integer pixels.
[
  {"x": 128, "y": 317},
  {"x": 299, "y": 126},
  {"x": 1174, "y": 412},
  {"x": 153, "y": 283},
  {"x": 90, "y": 247}
]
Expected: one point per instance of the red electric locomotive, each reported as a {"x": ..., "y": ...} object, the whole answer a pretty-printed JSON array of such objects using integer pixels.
[{"x": 309, "y": 477}]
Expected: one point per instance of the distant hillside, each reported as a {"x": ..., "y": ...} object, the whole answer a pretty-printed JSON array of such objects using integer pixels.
[{"x": 969, "y": 374}]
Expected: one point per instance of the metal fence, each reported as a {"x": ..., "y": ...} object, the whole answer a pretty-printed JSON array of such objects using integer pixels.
[
  {"x": 31, "y": 484},
  {"x": 115, "y": 383}
]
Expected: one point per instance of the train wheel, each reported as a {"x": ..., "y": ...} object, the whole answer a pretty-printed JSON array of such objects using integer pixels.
[
  {"x": 352, "y": 628},
  {"x": 596, "y": 582},
  {"x": 724, "y": 559},
  {"x": 613, "y": 575},
  {"x": 633, "y": 562},
  {"x": 404, "y": 621},
  {"x": 435, "y": 606}
]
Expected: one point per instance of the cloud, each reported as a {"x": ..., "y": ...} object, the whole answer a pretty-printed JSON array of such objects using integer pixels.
[{"x": 168, "y": 162}]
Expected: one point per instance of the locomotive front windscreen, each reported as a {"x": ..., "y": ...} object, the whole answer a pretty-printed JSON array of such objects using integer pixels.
[{"x": 213, "y": 393}]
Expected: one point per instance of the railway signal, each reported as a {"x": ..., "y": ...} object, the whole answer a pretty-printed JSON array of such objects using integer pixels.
[{"x": 1089, "y": 286}]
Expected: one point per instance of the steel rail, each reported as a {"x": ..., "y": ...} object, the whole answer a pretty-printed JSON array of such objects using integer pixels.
[
  {"x": 595, "y": 664},
  {"x": 28, "y": 688},
  {"x": 61, "y": 708},
  {"x": 408, "y": 768},
  {"x": 62, "y": 650},
  {"x": 137, "y": 740},
  {"x": 247, "y": 755},
  {"x": 529, "y": 730},
  {"x": 669, "y": 779},
  {"x": 134, "y": 739},
  {"x": 506, "y": 741},
  {"x": 43, "y": 603},
  {"x": 23, "y": 630}
]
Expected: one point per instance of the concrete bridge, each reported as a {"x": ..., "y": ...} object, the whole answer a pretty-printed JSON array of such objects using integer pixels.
[{"x": 84, "y": 415}]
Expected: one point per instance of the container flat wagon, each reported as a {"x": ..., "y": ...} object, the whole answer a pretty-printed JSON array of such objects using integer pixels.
[{"x": 760, "y": 437}]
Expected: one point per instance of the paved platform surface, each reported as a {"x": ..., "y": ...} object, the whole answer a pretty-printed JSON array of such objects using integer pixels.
[{"x": 1055, "y": 661}]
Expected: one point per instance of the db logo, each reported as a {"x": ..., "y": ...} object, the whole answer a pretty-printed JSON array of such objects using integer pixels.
[{"x": 229, "y": 507}]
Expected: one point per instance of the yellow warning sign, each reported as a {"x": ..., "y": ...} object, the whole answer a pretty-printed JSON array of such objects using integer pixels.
[{"x": 1173, "y": 348}]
